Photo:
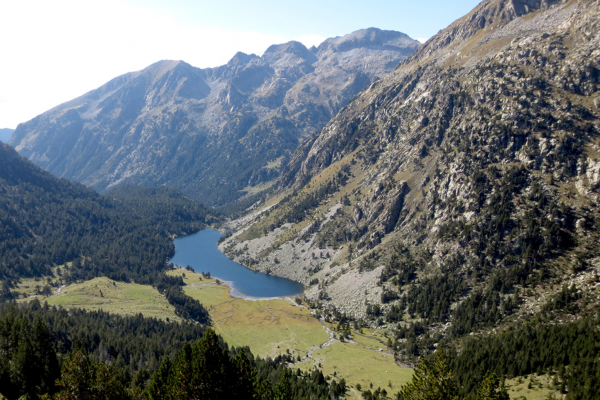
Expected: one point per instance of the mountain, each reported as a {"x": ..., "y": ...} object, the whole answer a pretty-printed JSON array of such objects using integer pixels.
[
  {"x": 5, "y": 134},
  {"x": 458, "y": 194},
  {"x": 214, "y": 133},
  {"x": 46, "y": 222}
]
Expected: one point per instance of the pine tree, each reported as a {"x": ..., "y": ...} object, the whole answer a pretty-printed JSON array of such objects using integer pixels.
[
  {"x": 77, "y": 377},
  {"x": 212, "y": 369},
  {"x": 490, "y": 389},
  {"x": 283, "y": 390},
  {"x": 246, "y": 381},
  {"x": 158, "y": 388},
  {"x": 431, "y": 381},
  {"x": 83, "y": 379}
]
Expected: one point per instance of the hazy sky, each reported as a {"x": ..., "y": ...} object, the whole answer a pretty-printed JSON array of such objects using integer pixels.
[{"x": 52, "y": 51}]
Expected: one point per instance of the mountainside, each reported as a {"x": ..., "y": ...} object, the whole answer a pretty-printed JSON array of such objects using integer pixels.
[
  {"x": 213, "y": 133},
  {"x": 47, "y": 222},
  {"x": 458, "y": 193},
  {"x": 5, "y": 134}
]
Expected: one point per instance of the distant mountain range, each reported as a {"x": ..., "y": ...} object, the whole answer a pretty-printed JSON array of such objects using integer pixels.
[
  {"x": 5, "y": 134},
  {"x": 214, "y": 133}
]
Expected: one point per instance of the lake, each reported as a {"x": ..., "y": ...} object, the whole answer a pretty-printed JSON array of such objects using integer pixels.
[{"x": 201, "y": 253}]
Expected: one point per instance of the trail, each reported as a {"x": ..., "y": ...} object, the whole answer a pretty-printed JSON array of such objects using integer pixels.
[
  {"x": 57, "y": 291},
  {"x": 332, "y": 339}
]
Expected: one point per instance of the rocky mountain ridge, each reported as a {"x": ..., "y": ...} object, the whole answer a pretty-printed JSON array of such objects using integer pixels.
[
  {"x": 458, "y": 193},
  {"x": 215, "y": 133}
]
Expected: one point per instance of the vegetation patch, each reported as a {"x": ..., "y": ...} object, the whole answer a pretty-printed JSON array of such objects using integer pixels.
[
  {"x": 359, "y": 365},
  {"x": 120, "y": 298},
  {"x": 533, "y": 387},
  {"x": 268, "y": 327}
]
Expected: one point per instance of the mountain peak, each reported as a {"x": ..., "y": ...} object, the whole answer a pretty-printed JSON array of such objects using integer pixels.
[
  {"x": 371, "y": 38},
  {"x": 489, "y": 14},
  {"x": 241, "y": 58},
  {"x": 294, "y": 48},
  {"x": 162, "y": 66}
]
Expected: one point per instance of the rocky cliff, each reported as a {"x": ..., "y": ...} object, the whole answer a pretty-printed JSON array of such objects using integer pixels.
[
  {"x": 214, "y": 133},
  {"x": 457, "y": 193}
]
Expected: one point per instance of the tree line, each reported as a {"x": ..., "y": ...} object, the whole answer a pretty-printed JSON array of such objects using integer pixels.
[{"x": 74, "y": 354}]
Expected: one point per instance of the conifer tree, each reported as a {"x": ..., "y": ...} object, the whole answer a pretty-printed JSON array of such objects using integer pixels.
[
  {"x": 158, "y": 387},
  {"x": 212, "y": 369},
  {"x": 83, "y": 379},
  {"x": 490, "y": 389},
  {"x": 431, "y": 381}
]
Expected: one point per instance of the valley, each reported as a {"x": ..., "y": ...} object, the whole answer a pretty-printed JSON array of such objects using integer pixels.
[
  {"x": 270, "y": 328},
  {"x": 371, "y": 218}
]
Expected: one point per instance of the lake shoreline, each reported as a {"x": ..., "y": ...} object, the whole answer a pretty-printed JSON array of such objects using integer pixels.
[
  {"x": 238, "y": 295},
  {"x": 200, "y": 251}
]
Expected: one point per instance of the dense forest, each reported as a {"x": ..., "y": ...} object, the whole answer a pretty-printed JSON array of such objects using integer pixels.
[
  {"x": 48, "y": 222},
  {"x": 52, "y": 226},
  {"x": 76, "y": 354},
  {"x": 568, "y": 352},
  {"x": 60, "y": 354}
]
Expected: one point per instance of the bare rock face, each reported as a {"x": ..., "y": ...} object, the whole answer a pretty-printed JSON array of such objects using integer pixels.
[
  {"x": 213, "y": 133},
  {"x": 467, "y": 174}
]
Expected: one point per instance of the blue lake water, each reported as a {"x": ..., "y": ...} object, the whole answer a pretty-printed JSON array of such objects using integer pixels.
[{"x": 201, "y": 253}]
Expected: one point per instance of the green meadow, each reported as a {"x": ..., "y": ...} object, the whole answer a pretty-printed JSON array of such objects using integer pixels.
[
  {"x": 268, "y": 327},
  {"x": 115, "y": 297}
]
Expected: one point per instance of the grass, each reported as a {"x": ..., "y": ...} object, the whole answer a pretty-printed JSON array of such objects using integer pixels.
[
  {"x": 114, "y": 297},
  {"x": 367, "y": 339},
  {"x": 33, "y": 286},
  {"x": 272, "y": 327},
  {"x": 532, "y": 387},
  {"x": 356, "y": 364},
  {"x": 267, "y": 327}
]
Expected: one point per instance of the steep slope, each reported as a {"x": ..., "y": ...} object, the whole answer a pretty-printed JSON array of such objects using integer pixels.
[
  {"x": 46, "y": 222},
  {"x": 458, "y": 193},
  {"x": 5, "y": 134},
  {"x": 213, "y": 133}
]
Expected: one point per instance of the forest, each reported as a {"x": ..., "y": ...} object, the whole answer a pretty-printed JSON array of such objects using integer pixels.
[
  {"x": 47, "y": 351},
  {"x": 52, "y": 226}
]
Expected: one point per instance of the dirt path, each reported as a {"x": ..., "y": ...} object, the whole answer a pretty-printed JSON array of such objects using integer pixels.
[
  {"x": 60, "y": 288},
  {"x": 332, "y": 339}
]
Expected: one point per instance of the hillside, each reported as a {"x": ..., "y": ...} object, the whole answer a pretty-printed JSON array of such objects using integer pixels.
[
  {"x": 458, "y": 194},
  {"x": 217, "y": 134},
  {"x": 46, "y": 223}
]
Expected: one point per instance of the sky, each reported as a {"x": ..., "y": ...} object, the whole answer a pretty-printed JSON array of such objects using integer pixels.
[{"x": 52, "y": 51}]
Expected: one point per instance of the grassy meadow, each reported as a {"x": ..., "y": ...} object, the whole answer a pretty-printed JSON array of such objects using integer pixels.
[
  {"x": 114, "y": 297},
  {"x": 268, "y": 327}
]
